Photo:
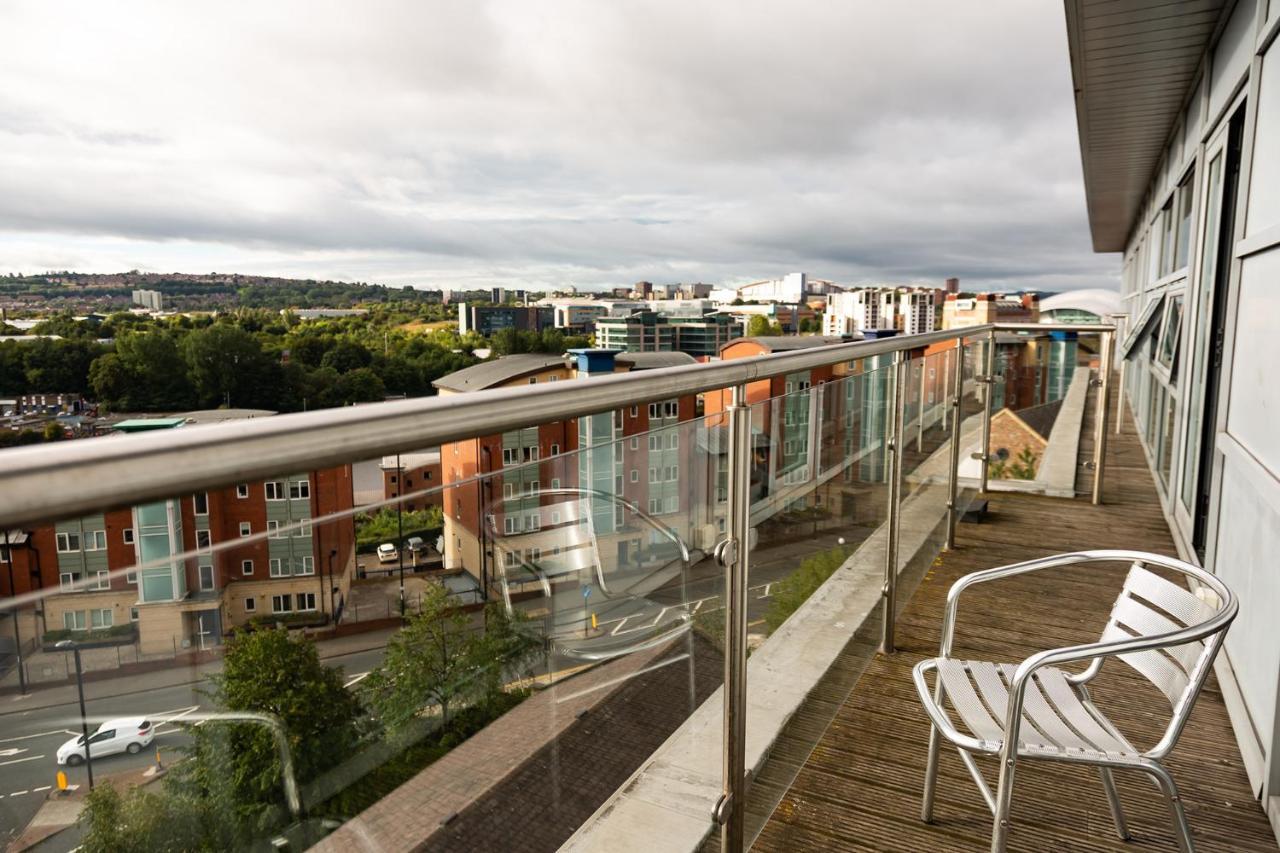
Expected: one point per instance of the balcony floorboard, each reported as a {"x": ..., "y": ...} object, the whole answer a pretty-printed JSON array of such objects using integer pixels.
[{"x": 859, "y": 788}]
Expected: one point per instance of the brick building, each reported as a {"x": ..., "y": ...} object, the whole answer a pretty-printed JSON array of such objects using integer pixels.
[
  {"x": 83, "y": 565},
  {"x": 413, "y": 472}
]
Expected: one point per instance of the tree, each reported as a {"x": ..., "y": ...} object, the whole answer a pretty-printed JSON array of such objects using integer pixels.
[
  {"x": 433, "y": 660},
  {"x": 361, "y": 385},
  {"x": 793, "y": 590},
  {"x": 759, "y": 326},
  {"x": 54, "y": 431},
  {"x": 345, "y": 356},
  {"x": 139, "y": 820},
  {"x": 226, "y": 364},
  {"x": 235, "y": 768}
]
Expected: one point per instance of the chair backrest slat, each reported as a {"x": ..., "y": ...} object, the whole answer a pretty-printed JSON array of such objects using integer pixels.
[{"x": 1149, "y": 606}]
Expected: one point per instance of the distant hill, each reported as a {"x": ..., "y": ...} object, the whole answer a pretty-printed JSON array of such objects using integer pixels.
[{"x": 192, "y": 291}]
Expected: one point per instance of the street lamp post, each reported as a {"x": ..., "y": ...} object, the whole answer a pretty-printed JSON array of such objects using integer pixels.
[
  {"x": 17, "y": 636},
  {"x": 84, "y": 719},
  {"x": 400, "y": 526}
]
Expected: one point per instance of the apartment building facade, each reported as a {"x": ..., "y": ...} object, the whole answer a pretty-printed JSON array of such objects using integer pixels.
[
  {"x": 499, "y": 481},
  {"x": 1188, "y": 190},
  {"x": 182, "y": 602}
]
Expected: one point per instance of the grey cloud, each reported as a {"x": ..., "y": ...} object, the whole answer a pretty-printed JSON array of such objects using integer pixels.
[{"x": 570, "y": 142}]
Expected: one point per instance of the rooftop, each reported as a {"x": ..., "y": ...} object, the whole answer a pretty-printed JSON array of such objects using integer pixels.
[{"x": 489, "y": 374}]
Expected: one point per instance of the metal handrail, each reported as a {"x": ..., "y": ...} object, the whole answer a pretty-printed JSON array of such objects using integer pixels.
[{"x": 42, "y": 483}]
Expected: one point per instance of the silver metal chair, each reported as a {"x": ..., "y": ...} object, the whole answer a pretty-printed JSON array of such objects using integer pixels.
[{"x": 1035, "y": 710}]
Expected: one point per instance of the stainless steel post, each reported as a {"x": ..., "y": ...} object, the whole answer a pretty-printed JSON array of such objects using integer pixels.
[
  {"x": 920, "y": 410},
  {"x": 988, "y": 396},
  {"x": 1122, "y": 328},
  {"x": 895, "y": 445},
  {"x": 1103, "y": 409},
  {"x": 733, "y": 555},
  {"x": 953, "y": 470}
]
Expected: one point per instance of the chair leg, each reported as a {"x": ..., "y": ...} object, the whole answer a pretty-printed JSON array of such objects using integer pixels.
[
  {"x": 1004, "y": 798},
  {"x": 1180, "y": 826},
  {"x": 931, "y": 774},
  {"x": 1113, "y": 800}
]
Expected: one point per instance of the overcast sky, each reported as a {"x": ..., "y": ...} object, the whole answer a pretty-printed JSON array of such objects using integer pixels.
[{"x": 545, "y": 143}]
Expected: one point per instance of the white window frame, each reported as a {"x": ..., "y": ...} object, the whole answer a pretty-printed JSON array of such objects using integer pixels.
[
  {"x": 205, "y": 537},
  {"x": 508, "y": 491},
  {"x": 127, "y": 535},
  {"x": 76, "y": 616},
  {"x": 303, "y": 529},
  {"x": 246, "y": 529},
  {"x": 273, "y": 529},
  {"x": 282, "y": 603},
  {"x": 102, "y": 580},
  {"x": 213, "y": 582},
  {"x": 274, "y": 490},
  {"x": 246, "y": 567},
  {"x": 275, "y": 568},
  {"x": 308, "y": 566},
  {"x": 242, "y": 490},
  {"x": 250, "y": 605},
  {"x": 95, "y": 540},
  {"x": 195, "y": 503},
  {"x": 304, "y": 602},
  {"x": 64, "y": 543},
  {"x": 299, "y": 490},
  {"x": 654, "y": 475}
]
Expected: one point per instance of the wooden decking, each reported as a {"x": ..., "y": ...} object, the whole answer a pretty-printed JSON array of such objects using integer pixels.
[{"x": 859, "y": 789}]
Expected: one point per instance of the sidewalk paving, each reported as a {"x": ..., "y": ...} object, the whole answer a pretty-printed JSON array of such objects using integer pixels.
[{"x": 126, "y": 684}]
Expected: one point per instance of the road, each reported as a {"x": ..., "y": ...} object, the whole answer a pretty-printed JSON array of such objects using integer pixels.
[{"x": 29, "y": 740}]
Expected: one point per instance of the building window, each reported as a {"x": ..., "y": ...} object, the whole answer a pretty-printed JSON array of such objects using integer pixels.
[
  {"x": 127, "y": 535},
  {"x": 308, "y": 566},
  {"x": 201, "y": 501},
  {"x": 133, "y": 614},
  {"x": 303, "y": 529},
  {"x": 250, "y": 605},
  {"x": 131, "y": 577},
  {"x": 508, "y": 491},
  {"x": 635, "y": 475},
  {"x": 673, "y": 441},
  {"x": 68, "y": 542},
  {"x": 653, "y": 475},
  {"x": 555, "y": 449},
  {"x": 531, "y": 488},
  {"x": 246, "y": 567},
  {"x": 242, "y": 490},
  {"x": 671, "y": 408},
  {"x": 635, "y": 443},
  {"x": 103, "y": 580},
  {"x": 653, "y": 410},
  {"x": 533, "y": 522},
  {"x": 509, "y": 455},
  {"x": 654, "y": 506},
  {"x": 533, "y": 380},
  {"x": 206, "y": 577},
  {"x": 306, "y": 600},
  {"x": 509, "y": 524},
  {"x": 95, "y": 540},
  {"x": 531, "y": 454},
  {"x": 274, "y": 490},
  {"x": 635, "y": 411},
  {"x": 300, "y": 490},
  {"x": 246, "y": 529},
  {"x": 273, "y": 530},
  {"x": 204, "y": 540},
  {"x": 4, "y": 553},
  {"x": 281, "y": 603},
  {"x": 276, "y": 567},
  {"x": 73, "y": 620},
  {"x": 101, "y": 617},
  {"x": 555, "y": 482},
  {"x": 655, "y": 442}
]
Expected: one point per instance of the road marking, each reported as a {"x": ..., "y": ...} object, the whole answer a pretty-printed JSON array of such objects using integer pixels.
[
  {"x": 356, "y": 679},
  {"x": 12, "y": 751},
  {"x": 18, "y": 793},
  {"x": 40, "y": 734},
  {"x": 41, "y": 788},
  {"x": 767, "y": 587},
  {"x": 20, "y": 760},
  {"x": 621, "y": 622}
]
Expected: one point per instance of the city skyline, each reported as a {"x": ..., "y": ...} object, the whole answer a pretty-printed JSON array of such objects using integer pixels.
[{"x": 578, "y": 145}]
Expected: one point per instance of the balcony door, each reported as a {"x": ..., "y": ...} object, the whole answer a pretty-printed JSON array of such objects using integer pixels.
[{"x": 1206, "y": 328}]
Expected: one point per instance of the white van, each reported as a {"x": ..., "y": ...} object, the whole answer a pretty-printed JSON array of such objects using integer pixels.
[{"x": 127, "y": 734}]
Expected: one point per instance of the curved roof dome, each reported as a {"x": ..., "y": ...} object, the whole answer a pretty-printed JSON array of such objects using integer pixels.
[{"x": 1094, "y": 300}]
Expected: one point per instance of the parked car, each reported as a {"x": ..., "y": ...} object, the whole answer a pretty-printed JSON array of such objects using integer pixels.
[
  {"x": 415, "y": 545},
  {"x": 127, "y": 734},
  {"x": 387, "y": 553}
]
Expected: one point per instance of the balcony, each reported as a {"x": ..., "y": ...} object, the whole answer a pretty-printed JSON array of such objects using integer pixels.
[
  {"x": 587, "y": 625},
  {"x": 859, "y": 786}
]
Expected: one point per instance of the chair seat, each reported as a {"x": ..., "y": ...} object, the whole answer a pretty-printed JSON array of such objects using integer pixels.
[{"x": 1058, "y": 719}]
